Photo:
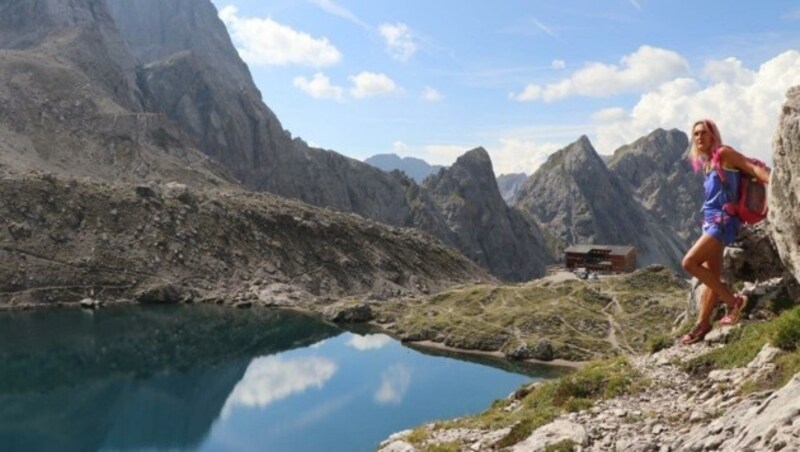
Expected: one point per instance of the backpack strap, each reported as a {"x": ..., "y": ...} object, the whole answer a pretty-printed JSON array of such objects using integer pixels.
[{"x": 730, "y": 206}]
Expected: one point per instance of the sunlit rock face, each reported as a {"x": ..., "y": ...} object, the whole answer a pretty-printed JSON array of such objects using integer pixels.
[
  {"x": 784, "y": 189},
  {"x": 80, "y": 32},
  {"x": 71, "y": 104}
]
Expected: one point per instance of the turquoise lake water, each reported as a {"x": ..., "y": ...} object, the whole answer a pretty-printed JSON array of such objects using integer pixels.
[{"x": 212, "y": 378}]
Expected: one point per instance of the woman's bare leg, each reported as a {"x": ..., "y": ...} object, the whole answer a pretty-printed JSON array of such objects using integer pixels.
[
  {"x": 704, "y": 261},
  {"x": 709, "y": 298}
]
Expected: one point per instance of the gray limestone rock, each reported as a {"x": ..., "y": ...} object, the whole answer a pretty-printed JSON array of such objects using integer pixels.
[
  {"x": 580, "y": 201},
  {"x": 509, "y": 185},
  {"x": 193, "y": 74},
  {"x": 784, "y": 187},
  {"x": 657, "y": 170},
  {"x": 553, "y": 433},
  {"x": 488, "y": 231}
]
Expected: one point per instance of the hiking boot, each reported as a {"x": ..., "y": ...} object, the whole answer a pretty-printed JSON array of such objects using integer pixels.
[
  {"x": 735, "y": 312},
  {"x": 697, "y": 334}
]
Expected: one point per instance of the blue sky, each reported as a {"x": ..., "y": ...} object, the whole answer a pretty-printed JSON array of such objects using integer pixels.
[{"x": 435, "y": 78}]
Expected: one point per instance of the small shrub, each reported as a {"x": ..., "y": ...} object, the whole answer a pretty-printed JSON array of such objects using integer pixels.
[
  {"x": 566, "y": 445},
  {"x": 787, "y": 331},
  {"x": 657, "y": 343},
  {"x": 417, "y": 436},
  {"x": 452, "y": 446},
  {"x": 518, "y": 432},
  {"x": 600, "y": 380}
]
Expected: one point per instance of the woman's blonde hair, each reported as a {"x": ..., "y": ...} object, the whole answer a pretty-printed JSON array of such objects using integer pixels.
[{"x": 698, "y": 159}]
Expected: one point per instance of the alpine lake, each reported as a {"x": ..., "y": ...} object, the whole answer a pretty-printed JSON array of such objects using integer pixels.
[{"x": 214, "y": 378}]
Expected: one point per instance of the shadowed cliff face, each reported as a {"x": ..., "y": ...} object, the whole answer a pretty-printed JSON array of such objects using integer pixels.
[
  {"x": 784, "y": 188},
  {"x": 496, "y": 235},
  {"x": 581, "y": 201}
]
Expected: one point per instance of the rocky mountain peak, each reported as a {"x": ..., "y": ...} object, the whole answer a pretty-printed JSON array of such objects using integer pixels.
[
  {"x": 488, "y": 231},
  {"x": 476, "y": 166},
  {"x": 656, "y": 170},
  {"x": 664, "y": 148},
  {"x": 577, "y": 198},
  {"x": 577, "y": 157}
]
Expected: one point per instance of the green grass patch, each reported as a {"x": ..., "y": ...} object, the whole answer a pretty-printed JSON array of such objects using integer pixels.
[
  {"x": 659, "y": 342},
  {"x": 518, "y": 433},
  {"x": 566, "y": 445},
  {"x": 745, "y": 343},
  {"x": 787, "y": 331},
  {"x": 453, "y": 446},
  {"x": 573, "y": 315},
  {"x": 576, "y": 391}
]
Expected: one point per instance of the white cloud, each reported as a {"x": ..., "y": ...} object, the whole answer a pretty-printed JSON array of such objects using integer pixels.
[
  {"x": 394, "y": 385},
  {"x": 636, "y": 4},
  {"x": 745, "y": 108},
  {"x": 558, "y": 64},
  {"x": 443, "y": 154},
  {"x": 609, "y": 114},
  {"x": 270, "y": 379},
  {"x": 431, "y": 94},
  {"x": 515, "y": 155},
  {"x": 338, "y": 10},
  {"x": 266, "y": 42},
  {"x": 367, "y": 84},
  {"x": 399, "y": 41},
  {"x": 729, "y": 70},
  {"x": 369, "y": 342},
  {"x": 400, "y": 147},
  {"x": 644, "y": 69},
  {"x": 319, "y": 87},
  {"x": 544, "y": 28}
]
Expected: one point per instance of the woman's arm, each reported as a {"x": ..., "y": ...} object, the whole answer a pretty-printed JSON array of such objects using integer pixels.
[{"x": 733, "y": 159}]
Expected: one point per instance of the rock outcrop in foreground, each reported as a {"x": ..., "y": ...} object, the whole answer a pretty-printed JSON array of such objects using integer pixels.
[
  {"x": 784, "y": 189},
  {"x": 64, "y": 240},
  {"x": 676, "y": 412}
]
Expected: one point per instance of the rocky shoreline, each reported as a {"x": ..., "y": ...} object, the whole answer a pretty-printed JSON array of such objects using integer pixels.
[{"x": 677, "y": 411}]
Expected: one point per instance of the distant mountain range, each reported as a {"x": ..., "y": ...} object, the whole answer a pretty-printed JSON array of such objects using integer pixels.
[
  {"x": 149, "y": 90},
  {"x": 415, "y": 168},
  {"x": 509, "y": 185}
]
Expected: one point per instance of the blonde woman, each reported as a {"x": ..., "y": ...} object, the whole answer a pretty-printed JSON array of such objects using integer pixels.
[{"x": 704, "y": 259}]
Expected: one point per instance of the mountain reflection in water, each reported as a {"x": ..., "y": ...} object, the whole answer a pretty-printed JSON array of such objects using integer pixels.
[
  {"x": 131, "y": 377},
  {"x": 215, "y": 378}
]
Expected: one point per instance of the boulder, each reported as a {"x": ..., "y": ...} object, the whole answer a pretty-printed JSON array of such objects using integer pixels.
[{"x": 784, "y": 187}]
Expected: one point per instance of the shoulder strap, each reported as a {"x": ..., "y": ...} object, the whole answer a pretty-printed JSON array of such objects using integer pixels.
[{"x": 724, "y": 179}]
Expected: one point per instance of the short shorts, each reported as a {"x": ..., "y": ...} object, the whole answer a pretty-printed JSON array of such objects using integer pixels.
[{"x": 724, "y": 231}]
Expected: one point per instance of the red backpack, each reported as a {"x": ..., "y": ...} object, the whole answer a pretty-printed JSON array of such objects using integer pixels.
[{"x": 750, "y": 203}]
